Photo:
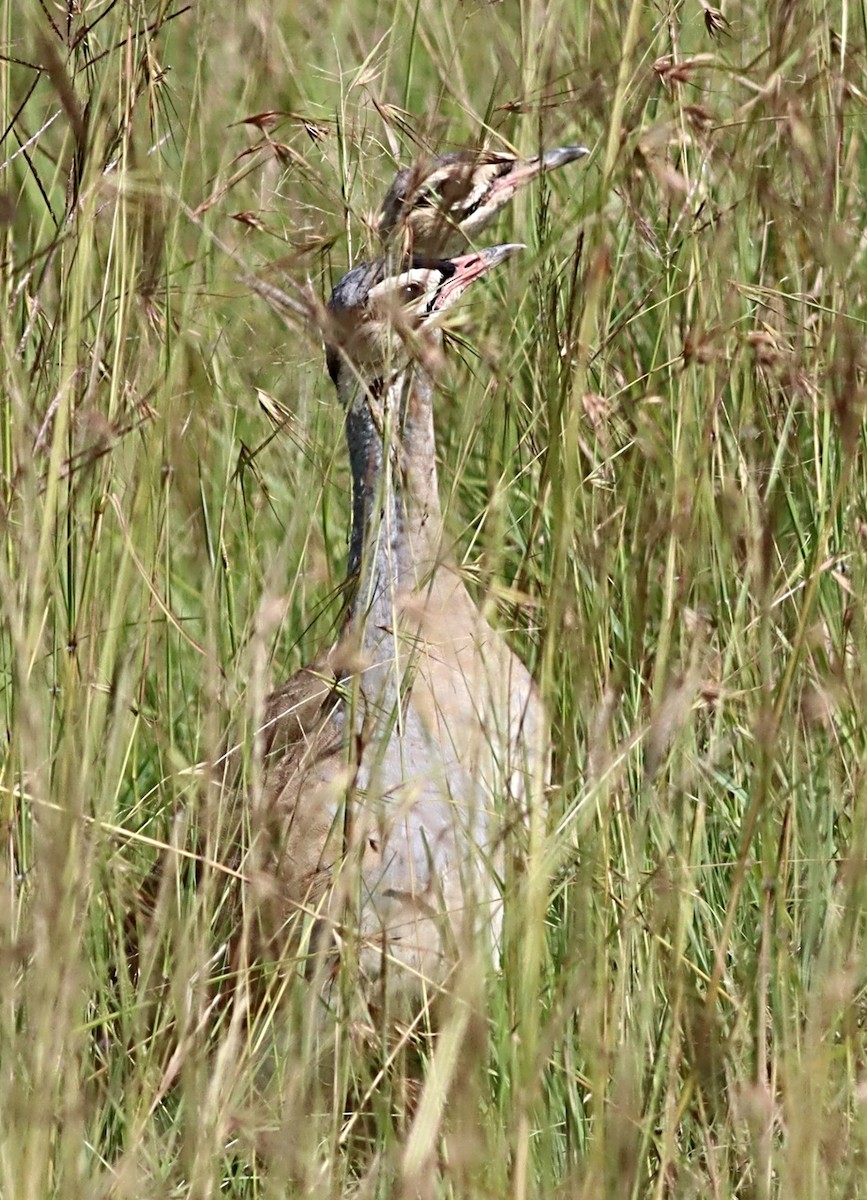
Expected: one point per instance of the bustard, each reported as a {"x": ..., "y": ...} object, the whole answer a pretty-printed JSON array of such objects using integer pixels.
[
  {"x": 386, "y": 761},
  {"x": 440, "y": 204},
  {"x": 390, "y": 763}
]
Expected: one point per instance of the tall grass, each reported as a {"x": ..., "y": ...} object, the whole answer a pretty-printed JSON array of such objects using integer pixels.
[{"x": 651, "y": 441}]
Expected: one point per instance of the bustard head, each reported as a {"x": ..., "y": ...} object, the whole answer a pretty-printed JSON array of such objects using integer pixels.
[
  {"x": 380, "y": 320},
  {"x": 442, "y": 203}
]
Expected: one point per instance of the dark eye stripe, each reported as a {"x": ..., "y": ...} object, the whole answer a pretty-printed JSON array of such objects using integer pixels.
[
  {"x": 477, "y": 204},
  {"x": 432, "y": 195}
]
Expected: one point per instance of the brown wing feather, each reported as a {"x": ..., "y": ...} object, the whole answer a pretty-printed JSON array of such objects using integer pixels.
[
  {"x": 294, "y": 710},
  {"x": 289, "y": 863}
]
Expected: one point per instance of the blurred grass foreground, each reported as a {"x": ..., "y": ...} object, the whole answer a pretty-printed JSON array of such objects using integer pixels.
[{"x": 651, "y": 445}]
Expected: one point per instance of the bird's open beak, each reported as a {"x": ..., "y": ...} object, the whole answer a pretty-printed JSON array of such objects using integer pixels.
[
  {"x": 469, "y": 267},
  {"x": 527, "y": 169}
]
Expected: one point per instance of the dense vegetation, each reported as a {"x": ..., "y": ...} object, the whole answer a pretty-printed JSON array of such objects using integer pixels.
[{"x": 650, "y": 430}]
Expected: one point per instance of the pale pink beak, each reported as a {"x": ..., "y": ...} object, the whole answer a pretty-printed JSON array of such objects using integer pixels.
[
  {"x": 469, "y": 267},
  {"x": 526, "y": 170}
]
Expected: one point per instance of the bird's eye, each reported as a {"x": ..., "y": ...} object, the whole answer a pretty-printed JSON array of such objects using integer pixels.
[{"x": 411, "y": 292}]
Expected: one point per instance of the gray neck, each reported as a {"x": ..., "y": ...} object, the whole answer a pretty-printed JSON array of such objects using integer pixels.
[{"x": 396, "y": 519}]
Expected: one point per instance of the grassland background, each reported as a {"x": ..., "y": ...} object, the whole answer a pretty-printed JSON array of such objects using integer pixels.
[{"x": 650, "y": 433}]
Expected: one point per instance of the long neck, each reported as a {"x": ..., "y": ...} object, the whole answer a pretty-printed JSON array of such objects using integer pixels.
[{"x": 396, "y": 536}]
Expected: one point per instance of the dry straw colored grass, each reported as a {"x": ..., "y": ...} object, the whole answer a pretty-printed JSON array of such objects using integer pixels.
[{"x": 651, "y": 442}]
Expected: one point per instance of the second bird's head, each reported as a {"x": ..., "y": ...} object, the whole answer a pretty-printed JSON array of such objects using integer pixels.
[
  {"x": 442, "y": 203},
  {"x": 379, "y": 317}
]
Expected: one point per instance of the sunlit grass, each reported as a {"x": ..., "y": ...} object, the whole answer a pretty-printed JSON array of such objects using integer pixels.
[{"x": 650, "y": 432}]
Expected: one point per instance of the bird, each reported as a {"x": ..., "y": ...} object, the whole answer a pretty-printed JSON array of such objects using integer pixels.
[
  {"x": 470, "y": 698},
  {"x": 441, "y": 203},
  {"x": 391, "y": 764}
]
